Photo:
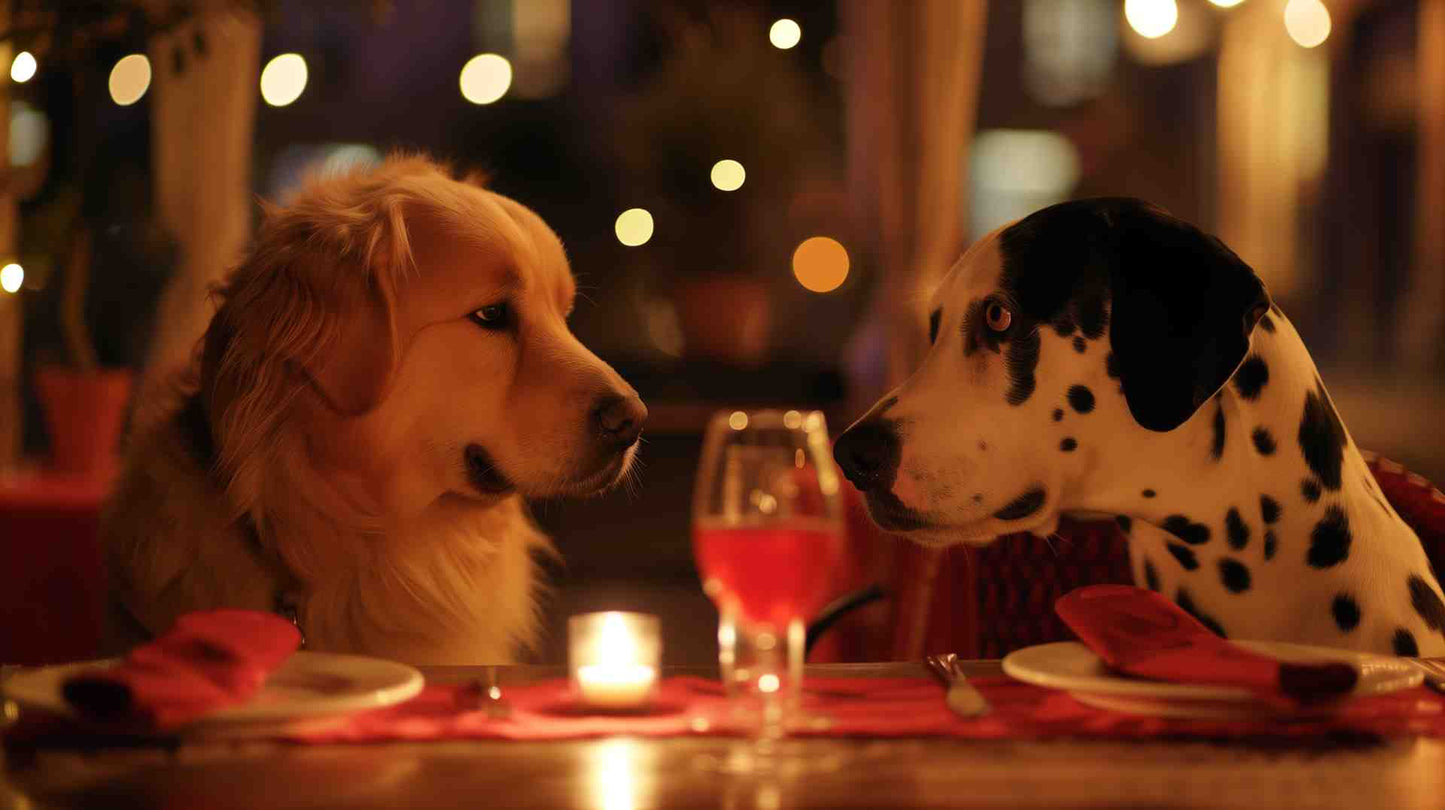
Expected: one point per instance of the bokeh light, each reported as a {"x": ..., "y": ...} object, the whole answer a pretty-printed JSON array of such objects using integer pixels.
[
  {"x": 785, "y": 33},
  {"x": 1151, "y": 19},
  {"x": 129, "y": 79},
  {"x": 1226, "y": 3},
  {"x": 1307, "y": 21},
  {"x": 485, "y": 78},
  {"x": 820, "y": 264},
  {"x": 634, "y": 227},
  {"x": 22, "y": 69},
  {"x": 11, "y": 277},
  {"x": 284, "y": 79},
  {"x": 29, "y": 134},
  {"x": 728, "y": 175}
]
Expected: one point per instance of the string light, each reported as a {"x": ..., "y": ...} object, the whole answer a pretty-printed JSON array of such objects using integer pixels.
[
  {"x": 785, "y": 34},
  {"x": 1307, "y": 21},
  {"x": 1151, "y": 19},
  {"x": 728, "y": 175},
  {"x": 129, "y": 79},
  {"x": 284, "y": 79},
  {"x": 23, "y": 68},
  {"x": 486, "y": 78},
  {"x": 634, "y": 227},
  {"x": 11, "y": 277}
]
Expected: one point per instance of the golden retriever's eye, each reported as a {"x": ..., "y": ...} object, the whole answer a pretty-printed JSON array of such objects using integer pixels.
[
  {"x": 495, "y": 317},
  {"x": 997, "y": 316}
]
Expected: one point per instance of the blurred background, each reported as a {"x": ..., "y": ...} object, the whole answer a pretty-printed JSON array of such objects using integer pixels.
[{"x": 753, "y": 194}]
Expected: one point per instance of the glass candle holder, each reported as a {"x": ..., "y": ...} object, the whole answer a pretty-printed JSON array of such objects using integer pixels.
[{"x": 613, "y": 659}]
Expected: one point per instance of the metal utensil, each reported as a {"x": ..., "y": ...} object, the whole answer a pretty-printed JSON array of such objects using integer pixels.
[
  {"x": 961, "y": 697},
  {"x": 1434, "y": 673},
  {"x": 484, "y": 694}
]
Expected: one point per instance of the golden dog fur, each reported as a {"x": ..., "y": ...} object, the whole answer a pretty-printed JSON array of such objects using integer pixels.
[{"x": 344, "y": 377}]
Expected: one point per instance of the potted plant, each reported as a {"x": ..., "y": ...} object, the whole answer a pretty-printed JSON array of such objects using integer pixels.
[{"x": 721, "y": 92}]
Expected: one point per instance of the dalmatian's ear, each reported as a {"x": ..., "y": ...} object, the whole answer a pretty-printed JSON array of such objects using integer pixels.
[{"x": 1184, "y": 306}]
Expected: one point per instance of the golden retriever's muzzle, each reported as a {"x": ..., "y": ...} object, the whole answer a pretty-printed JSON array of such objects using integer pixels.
[{"x": 614, "y": 425}]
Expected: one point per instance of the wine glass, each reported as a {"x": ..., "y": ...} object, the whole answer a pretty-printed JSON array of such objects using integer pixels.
[{"x": 767, "y": 533}]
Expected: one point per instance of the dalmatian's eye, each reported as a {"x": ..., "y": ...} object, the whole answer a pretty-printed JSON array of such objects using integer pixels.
[{"x": 997, "y": 316}]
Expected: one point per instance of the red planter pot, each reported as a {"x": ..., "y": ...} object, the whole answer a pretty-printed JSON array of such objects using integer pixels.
[{"x": 84, "y": 415}]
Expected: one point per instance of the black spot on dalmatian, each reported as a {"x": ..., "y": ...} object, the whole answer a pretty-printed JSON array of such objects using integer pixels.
[
  {"x": 1021, "y": 361},
  {"x": 1426, "y": 602},
  {"x": 1187, "y": 530},
  {"x": 933, "y": 320},
  {"x": 1080, "y": 345},
  {"x": 1346, "y": 612},
  {"x": 1186, "y": 603},
  {"x": 1330, "y": 540},
  {"x": 1058, "y": 415},
  {"x": 1310, "y": 488},
  {"x": 1251, "y": 377},
  {"x": 1081, "y": 399},
  {"x": 1068, "y": 445},
  {"x": 1149, "y": 493},
  {"x": 1236, "y": 529},
  {"x": 1125, "y": 523},
  {"x": 1404, "y": 643},
  {"x": 1322, "y": 438},
  {"x": 1063, "y": 325},
  {"x": 1234, "y": 575},
  {"x": 1111, "y": 366},
  {"x": 1263, "y": 441},
  {"x": 1022, "y": 506},
  {"x": 1217, "y": 449},
  {"x": 1151, "y": 576},
  {"x": 1267, "y": 323},
  {"x": 1270, "y": 544},
  {"x": 1184, "y": 555},
  {"x": 1268, "y": 509}
]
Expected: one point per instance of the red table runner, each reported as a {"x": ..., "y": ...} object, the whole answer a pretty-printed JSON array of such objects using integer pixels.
[{"x": 863, "y": 707}]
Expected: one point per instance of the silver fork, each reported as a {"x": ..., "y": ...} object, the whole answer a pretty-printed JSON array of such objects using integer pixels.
[
  {"x": 961, "y": 697},
  {"x": 1434, "y": 673}
]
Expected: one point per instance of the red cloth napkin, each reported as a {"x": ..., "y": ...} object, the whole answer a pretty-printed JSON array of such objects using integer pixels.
[
  {"x": 857, "y": 707},
  {"x": 1139, "y": 632},
  {"x": 207, "y": 661}
]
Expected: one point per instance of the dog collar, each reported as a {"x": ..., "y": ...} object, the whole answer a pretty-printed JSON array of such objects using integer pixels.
[{"x": 286, "y": 601}]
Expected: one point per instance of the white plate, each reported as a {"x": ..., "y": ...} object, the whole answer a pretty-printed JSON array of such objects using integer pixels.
[
  {"x": 1070, "y": 666},
  {"x": 308, "y": 685}
]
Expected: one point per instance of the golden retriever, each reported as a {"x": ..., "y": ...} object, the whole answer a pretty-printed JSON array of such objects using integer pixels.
[{"x": 389, "y": 372}]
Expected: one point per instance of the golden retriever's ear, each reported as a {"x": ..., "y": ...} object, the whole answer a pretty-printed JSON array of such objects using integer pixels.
[{"x": 355, "y": 370}]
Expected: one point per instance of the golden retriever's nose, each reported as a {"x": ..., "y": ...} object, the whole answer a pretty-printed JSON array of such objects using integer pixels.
[{"x": 619, "y": 419}]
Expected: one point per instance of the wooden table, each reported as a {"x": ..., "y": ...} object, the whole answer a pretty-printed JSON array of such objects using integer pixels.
[{"x": 633, "y": 774}]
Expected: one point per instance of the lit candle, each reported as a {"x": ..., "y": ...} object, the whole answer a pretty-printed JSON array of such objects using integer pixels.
[{"x": 613, "y": 658}]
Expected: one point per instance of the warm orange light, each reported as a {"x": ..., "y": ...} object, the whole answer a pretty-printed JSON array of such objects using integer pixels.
[
  {"x": 129, "y": 79},
  {"x": 820, "y": 264}
]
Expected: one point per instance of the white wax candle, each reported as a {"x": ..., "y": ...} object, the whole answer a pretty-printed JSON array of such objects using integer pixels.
[{"x": 616, "y": 686}]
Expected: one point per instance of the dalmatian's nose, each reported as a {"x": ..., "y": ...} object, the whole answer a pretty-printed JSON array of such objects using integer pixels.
[{"x": 868, "y": 453}]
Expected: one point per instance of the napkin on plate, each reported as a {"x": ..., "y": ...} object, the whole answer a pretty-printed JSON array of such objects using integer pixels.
[
  {"x": 207, "y": 661},
  {"x": 1140, "y": 633}
]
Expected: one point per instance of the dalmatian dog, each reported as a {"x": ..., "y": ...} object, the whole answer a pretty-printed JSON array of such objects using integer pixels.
[{"x": 1103, "y": 358}]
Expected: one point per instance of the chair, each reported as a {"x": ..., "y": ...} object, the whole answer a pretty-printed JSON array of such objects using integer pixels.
[{"x": 987, "y": 602}]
